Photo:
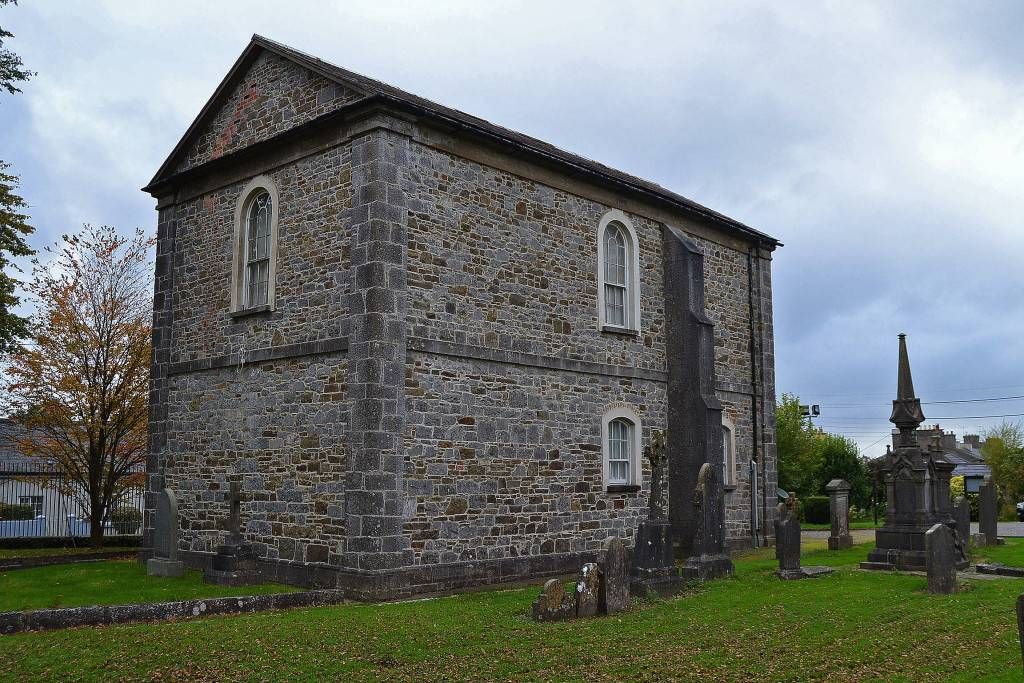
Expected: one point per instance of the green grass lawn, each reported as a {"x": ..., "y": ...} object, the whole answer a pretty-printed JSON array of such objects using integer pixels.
[
  {"x": 1011, "y": 554},
  {"x": 859, "y": 524},
  {"x": 848, "y": 626},
  {"x": 110, "y": 582}
]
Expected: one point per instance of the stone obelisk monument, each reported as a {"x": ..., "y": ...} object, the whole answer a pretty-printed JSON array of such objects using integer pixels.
[{"x": 916, "y": 486}]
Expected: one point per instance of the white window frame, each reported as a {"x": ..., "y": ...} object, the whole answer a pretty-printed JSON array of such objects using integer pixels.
[
  {"x": 253, "y": 189},
  {"x": 729, "y": 477},
  {"x": 632, "y": 302},
  {"x": 622, "y": 412}
]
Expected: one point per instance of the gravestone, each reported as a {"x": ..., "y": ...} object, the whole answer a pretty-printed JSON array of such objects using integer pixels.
[
  {"x": 962, "y": 515},
  {"x": 235, "y": 561},
  {"x": 654, "y": 565},
  {"x": 839, "y": 509},
  {"x": 588, "y": 590},
  {"x": 708, "y": 559},
  {"x": 165, "y": 538},
  {"x": 988, "y": 512},
  {"x": 1020, "y": 623},
  {"x": 940, "y": 559},
  {"x": 553, "y": 603},
  {"x": 787, "y": 545},
  {"x": 614, "y": 595}
]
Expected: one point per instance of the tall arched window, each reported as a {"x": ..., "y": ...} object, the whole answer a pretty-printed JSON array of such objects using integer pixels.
[
  {"x": 728, "y": 453},
  {"x": 257, "y": 250},
  {"x": 620, "y": 446},
  {"x": 618, "y": 271},
  {"x": 255, "y": 253}
]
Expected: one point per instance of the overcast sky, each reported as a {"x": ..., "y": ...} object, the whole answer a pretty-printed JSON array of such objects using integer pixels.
[{"x": 882, "y": 143}]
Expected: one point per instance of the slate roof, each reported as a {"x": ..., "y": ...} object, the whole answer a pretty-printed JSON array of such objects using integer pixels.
[{"x": 372, "y": 88}]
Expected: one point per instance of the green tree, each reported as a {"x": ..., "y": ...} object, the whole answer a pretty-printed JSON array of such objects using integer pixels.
[
  {"x": 1003, "y": 451},
  {"x": 840, "y": 459},
  {"x": 14, "y": 227},
  {"x": 799, "y": 454}
]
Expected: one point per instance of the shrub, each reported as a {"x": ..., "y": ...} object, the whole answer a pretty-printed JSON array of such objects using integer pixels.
[
  {"x": 126, "y": 520},
  {"x": 816, "y": 509},
  {"x": 12, "y": 511}
]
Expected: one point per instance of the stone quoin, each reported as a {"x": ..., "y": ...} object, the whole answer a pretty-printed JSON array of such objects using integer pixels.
[{"x": 430, "y": 350}]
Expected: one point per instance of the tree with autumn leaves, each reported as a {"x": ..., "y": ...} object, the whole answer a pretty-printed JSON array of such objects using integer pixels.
[{"x": 80, "y": 384}]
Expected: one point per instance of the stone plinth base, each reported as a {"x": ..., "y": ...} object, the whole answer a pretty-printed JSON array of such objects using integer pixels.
[
  {"x": 803, "y": 573},
  {"x": 233, "y": 565},
  {"x": 664, "y": 582},
  {"x": 158, "y": 566},
  {"x": 981, "y": 540},
  {"x": 901, "y": 547},
  {"x": 840, "y": 542},
  {"x": 704, "y": 567}
]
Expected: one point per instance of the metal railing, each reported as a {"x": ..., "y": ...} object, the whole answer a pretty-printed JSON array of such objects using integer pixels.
[{"x": 59, "y": 507}]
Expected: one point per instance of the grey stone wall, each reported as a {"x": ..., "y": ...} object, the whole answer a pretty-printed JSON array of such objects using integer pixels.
[{"x": 273, "y": 96}]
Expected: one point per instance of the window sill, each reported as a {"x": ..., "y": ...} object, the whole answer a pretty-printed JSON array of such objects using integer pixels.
[
  {"x": 255, "y": 310},
  {"x": 624, "y": 331},
  {"x": 729, "y": 487},
  {"x": 623, "y": 488}
]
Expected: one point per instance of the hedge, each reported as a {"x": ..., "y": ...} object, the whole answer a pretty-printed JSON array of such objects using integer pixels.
[
  {"x": 816, "y": 509},
  {"x": 13, "y": 511}
]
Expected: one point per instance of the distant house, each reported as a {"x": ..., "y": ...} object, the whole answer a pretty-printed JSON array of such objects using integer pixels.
[
  {"x": 41, "y": 484},
  {"x": 966, "y": 454}
]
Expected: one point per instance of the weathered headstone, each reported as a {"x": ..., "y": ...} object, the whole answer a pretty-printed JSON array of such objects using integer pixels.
[
  {"x": 787, "y": 544},
  {"x": 165, "y": 538},
  {"x": 988, "y": 511},
  {"x": 940, "y": 559},
  {"x": 839, "y": 509},
  {"x": 234, "y": 564},
  {"x": 553, "y": 603},
  {"x": 654, "y": 564},
  {"x": 708, "y": 559},
  {"x": 1020, "y": 623},
  {"x": 588, "y": 589},
  {"x": 614, "y": 595},
  {"x": 962, "y": 515}
]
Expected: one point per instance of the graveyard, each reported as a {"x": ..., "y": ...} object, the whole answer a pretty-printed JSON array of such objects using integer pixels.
[{"x": 851, "y": 625}]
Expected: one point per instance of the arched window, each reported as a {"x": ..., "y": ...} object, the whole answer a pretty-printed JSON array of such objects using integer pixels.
[
  {"x": 620, "y": 432},
  {"x": 255, "y": 253},
  {"x": 618, "y": 266},
  {"x": 257, "y": 250},
  {"x": 728, "y": 453}
]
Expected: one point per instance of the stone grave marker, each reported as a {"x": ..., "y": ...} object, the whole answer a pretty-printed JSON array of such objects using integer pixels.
[
  {"x": 165, "y": 538},
  {"x": 839, "y": 509},
  {"x": 962, "y": 515},
  {"x": 708, "y": 559},
  {"x": 787, "y": 545},
  {"x": 553, "y": 603},
  {"x": 940, "y": 559},
  {"x": 654, "y": 563},
  {"x": 235, "y": 561},
  {"x": 988, "y": 512},
  {"x": 614, "y": 595},
  {"x": 1020, "y": 623},
  {"x": 588, "y": 589}
]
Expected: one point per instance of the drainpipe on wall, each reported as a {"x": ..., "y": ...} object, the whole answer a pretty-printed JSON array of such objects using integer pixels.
[{"x": 755, "y": 440}]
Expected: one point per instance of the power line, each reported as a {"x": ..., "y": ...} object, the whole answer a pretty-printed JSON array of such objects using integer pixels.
[{"x": 926, "y": 403}]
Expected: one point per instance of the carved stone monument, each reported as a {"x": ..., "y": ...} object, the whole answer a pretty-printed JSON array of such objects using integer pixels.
[
  {"x": 654, "y": 566},
  {"x": 787, "y": 545},
  {"x": 1020, "y": 623},
  {"x": 235, "y": 561},
  {"x": 708, "y": 559},
  {"x": 941, "y": 559},
  {"x": 614, "y": 595},
  {"x": 165, "y": 538},
  {"x": 988, "y": 512},
  {"x": 916, "y": 485},
  {"x": 839, "y": 510}
]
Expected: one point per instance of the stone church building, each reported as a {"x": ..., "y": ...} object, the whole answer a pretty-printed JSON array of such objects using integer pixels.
[{"x": 432, "y": 350}]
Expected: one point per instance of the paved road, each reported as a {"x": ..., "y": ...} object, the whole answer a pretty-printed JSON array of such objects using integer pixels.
[{"x": 862, "y": 535}]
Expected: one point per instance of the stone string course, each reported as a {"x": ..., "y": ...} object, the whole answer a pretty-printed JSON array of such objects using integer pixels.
[{"x": 375, "y": 453}]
